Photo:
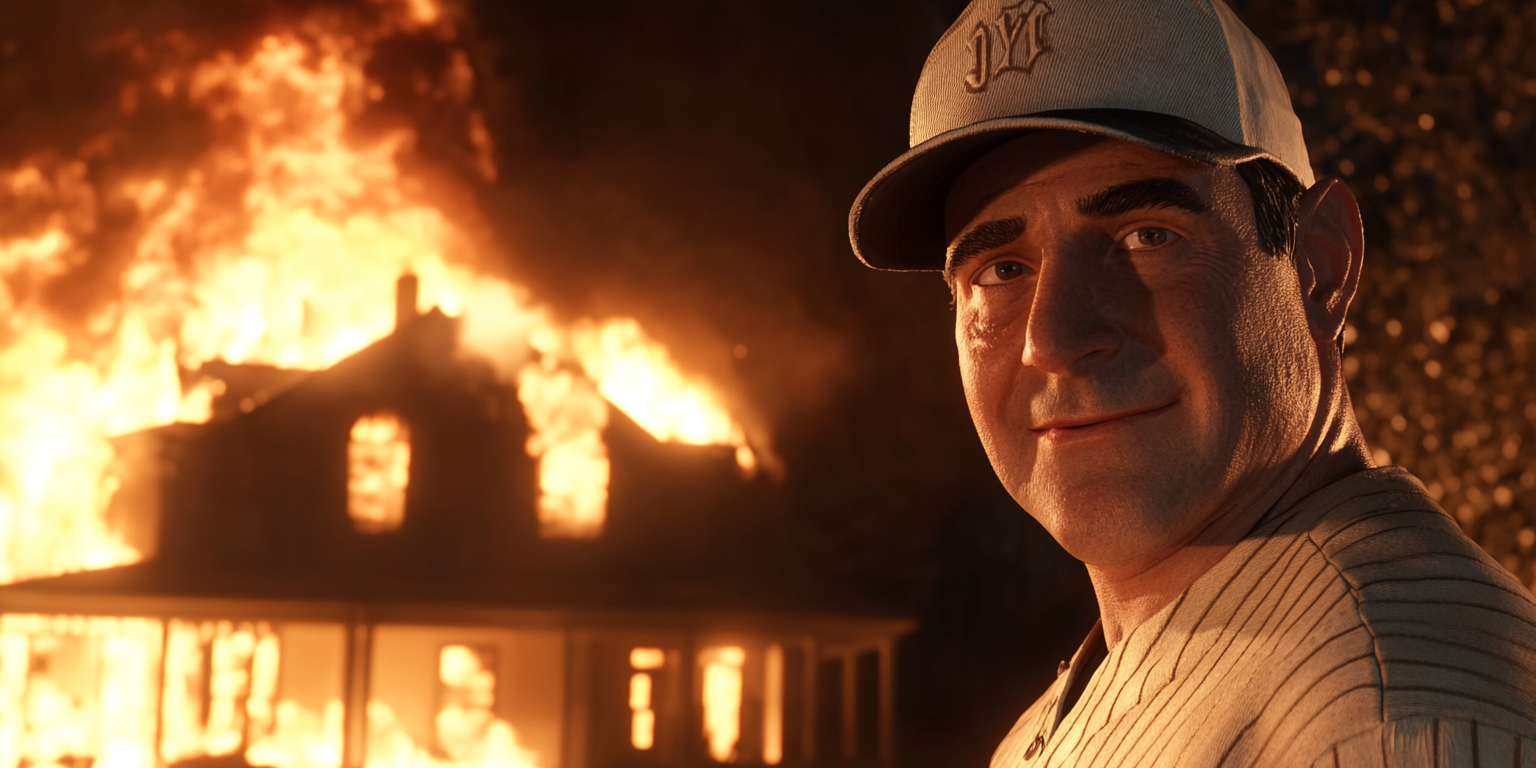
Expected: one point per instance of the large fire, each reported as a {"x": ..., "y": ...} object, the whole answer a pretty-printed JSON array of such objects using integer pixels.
[{"x": 282, "y": 245}]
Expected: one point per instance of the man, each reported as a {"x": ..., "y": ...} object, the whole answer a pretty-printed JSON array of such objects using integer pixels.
[{"x": 1150, "y": 294}]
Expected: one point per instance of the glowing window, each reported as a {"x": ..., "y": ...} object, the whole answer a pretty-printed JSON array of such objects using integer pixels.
[
  {"x": 273, "y": 692},
  {"x": 460, "y": 697},
  {"x": 647, "y": 658},
  {"x": 642, "y": 723},
  {"x": 78, "y": 690},
  {"x": 465, "y": 721},
  {"x": 98, "y": 690},
  {"x": 722, "y": 700},
  {"x": 566, "y": 417},
  {"x": 773, "y": 705},
  {"x": 378, "y": 471}
]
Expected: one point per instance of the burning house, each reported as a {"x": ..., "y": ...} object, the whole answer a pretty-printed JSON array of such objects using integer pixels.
[
  {"x": 254, "y": 513},
  {"x": 353, "y": 572}
]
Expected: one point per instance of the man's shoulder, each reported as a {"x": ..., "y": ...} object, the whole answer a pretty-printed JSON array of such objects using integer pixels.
[
  {"x": 1453, "y": 633},
  {"x": 1382, "y": 515},
  {"x": 1404, "y": 560}
]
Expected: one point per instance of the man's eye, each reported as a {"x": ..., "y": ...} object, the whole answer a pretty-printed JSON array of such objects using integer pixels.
[
  {"x": 1001, "y": 272},
  {"x": 1147, "y": 237}
]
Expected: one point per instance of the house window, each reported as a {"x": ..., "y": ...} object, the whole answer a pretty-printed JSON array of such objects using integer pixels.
[
  {"x": 750, "y": 700},
  {"x": 642, "y": 721},
  {"x": 466, "y": 725},
  {"x": 722, "y": 700},
  {"x": 450, "y": 697},
  {"x": 378, "y": 472},
  {"x": 566, "y": 417},
  {"x": 773, "y": 705},
  {"x": 78, "y": 690},
  {"x": 270, "y": 692}
]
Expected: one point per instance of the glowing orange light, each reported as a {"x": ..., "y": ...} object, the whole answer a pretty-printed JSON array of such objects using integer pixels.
[
  {"x": 220, "y": 692},
  {"x": 722, "y": 700},
  {"x": 640, "y": 378},
  {"x": 773, "y": 705},
  {"x": 78, "y": 687},
  {"x": 424, "y": 12},
  {"x": 647, "y": 658},
  {"x": 566, "y": 416},
  {"x": 466, "y": 729},
  {"x": 378, "y": 473},
  {"x": 300, "y": 738},
  {"x": 642, "y": 728}
]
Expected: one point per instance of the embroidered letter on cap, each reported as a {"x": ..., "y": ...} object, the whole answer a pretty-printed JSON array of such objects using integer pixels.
[{"x": 1021, "y": 30}]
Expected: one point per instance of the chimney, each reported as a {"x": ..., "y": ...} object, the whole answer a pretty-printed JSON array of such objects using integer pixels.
[{"x": 405, "y": 300}]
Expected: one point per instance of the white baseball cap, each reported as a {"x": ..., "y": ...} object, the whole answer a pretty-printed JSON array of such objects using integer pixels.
[{"x": 1181, "y": 76}]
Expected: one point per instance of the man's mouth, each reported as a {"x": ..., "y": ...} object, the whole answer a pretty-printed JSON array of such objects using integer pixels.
[{"x": 1067, "y": 428}]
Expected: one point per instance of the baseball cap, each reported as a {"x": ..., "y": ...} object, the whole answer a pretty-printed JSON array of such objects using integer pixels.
[{"x": 1181, "y": 76}]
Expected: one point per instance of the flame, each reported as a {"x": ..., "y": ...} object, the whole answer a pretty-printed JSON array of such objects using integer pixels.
[
  {"x": 281, "y": 245},
  {"x": 300, "y": 738},
  {"x": 78, "y": 687},
  {"x": 722, "y": 700},
  {"x": 566, "y": 416},
  {"x": 467, "y": 730},
  {"x": 639, "y": 376},
  {"x": 218, "y": 710},
  {"x": 378, "y": 471},
  {"x": 220, "y": 697}
]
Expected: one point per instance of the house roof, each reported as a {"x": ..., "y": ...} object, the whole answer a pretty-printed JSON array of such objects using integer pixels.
[{"x": 152, "y": 588}]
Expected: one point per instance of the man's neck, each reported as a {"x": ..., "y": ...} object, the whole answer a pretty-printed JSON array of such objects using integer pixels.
[{"x": 1131, "y": 593}]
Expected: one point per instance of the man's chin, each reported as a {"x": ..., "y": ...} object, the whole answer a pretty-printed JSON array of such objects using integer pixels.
[
  {"x": 1108, "y": 523},
  {"x": 1106, "y": 546}
]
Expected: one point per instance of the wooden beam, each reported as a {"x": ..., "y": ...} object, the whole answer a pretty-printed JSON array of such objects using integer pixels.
[{"x": 359, "y": 668}]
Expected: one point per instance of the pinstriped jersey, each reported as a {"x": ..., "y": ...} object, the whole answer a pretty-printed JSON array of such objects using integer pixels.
[{"x": 1358, "y": 628}]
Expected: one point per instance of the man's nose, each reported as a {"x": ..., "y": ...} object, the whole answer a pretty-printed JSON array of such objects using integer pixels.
[{"x": 1071, "y": 327}]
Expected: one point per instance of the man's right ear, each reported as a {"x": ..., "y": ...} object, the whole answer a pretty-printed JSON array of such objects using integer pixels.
[{"x": 1330, "y": 251}]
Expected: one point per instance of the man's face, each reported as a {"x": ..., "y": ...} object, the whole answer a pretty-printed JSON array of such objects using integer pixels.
[{"x": 1135, "y": 362}]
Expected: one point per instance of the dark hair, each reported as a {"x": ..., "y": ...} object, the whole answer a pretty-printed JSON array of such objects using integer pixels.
[
  {"x": 1276, "y": 196},
  {"x": 1276, "y": 209}
]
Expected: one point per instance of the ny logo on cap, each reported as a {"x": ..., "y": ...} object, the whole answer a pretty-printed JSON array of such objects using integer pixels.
[{"x": 1021, "y": 30}]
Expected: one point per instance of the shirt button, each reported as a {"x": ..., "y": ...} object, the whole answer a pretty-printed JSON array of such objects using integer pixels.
[{"x": 1034, "y": 748}]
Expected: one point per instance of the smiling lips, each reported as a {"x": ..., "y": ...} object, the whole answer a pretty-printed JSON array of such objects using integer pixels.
[{"x": 1073, "y": 429}]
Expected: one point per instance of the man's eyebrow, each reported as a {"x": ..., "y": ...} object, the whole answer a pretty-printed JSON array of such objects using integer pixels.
[
  {"x": 1138, "y": 195},
  {"x": 982, "y": 238}
]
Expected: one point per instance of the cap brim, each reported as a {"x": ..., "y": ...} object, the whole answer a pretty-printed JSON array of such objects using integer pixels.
[{"x": 897, "y": 222}]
